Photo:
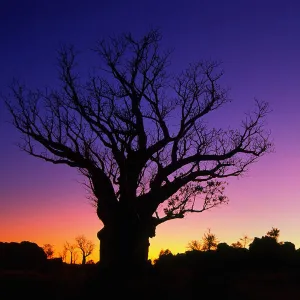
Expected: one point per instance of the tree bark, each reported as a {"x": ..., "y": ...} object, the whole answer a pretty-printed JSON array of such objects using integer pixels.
[
  {"x": 83, "y": 259},
  {"x": 124, "y": 245}
]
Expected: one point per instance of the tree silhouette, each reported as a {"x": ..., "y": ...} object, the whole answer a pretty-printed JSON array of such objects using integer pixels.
[
  {"x": 86, "y": 247},
  {"x": 164, "y": 257},
  {"x": 274, "y": 233},
  {"x": 209, "y": 241},
  {"x": 166, "y": 252},
  {"x": 71, "y": 248},
  {"x": 49, "y": 250},
  {"x": 63, "y": 254},
  {"x": 194, "y": 245},
  {"x": 245, "y": 240},
  {"x": 140, "y": 136},
  {"x": 238, "y": 244}
]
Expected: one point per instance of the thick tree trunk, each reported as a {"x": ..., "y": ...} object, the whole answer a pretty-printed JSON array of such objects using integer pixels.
[
  {"x": 83, "y": 259},
  {"x": 124, "y": 245}
]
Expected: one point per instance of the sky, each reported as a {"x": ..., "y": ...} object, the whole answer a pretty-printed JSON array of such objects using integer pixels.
[{"x": 258, "y": 43}]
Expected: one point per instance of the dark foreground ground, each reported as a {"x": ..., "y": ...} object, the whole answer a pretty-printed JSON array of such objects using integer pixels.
[{"x": 77, "y": 282}]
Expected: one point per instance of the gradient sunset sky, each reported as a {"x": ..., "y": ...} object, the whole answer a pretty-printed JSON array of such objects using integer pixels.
[{"x": 259, "y": 44}]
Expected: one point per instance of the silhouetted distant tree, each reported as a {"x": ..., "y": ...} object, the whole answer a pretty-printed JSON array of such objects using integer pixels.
[
  {"x": 194, "y": 245},
  {"x": 71, "y": 248},
  {"x": 63, "y": 254},
  {"x": 166, "y": 252},
  {"x": 164, "y": 257},
  {"x": 245, "y": 240},
  {"x": 274, "y": 233},
  {"x": 49, "y": 250},
  {"x": 238, "y": 244},
  {"x": 86, "y": 247},
  {"x": 75, "y": 256},
  {"x": 139, "y": 135},
  {"x": 209, "y": 241}
]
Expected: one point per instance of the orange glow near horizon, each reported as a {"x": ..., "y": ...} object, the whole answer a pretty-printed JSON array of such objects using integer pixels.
[{"x": 51, "y": 221}]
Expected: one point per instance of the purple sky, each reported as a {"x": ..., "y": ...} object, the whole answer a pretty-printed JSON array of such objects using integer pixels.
[{"x": 259, "y": 43}]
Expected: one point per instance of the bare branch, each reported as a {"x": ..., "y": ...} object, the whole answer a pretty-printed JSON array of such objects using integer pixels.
[
  {"x": 138, "y": 133},
  {"x": 189, "y": 197},
  {"x": 86, "y": 247}
]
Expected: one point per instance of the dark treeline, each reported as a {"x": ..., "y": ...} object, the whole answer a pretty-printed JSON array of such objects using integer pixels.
[
  {"x": 263, "y": 253},
  {"x": 266, "y": 268}
]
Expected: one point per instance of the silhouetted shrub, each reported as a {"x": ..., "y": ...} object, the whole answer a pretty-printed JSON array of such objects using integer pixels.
[
  {"x": 288, "y": 248},
  {"x": 288, "y": 254},
  {"x": 21, "y": 256},
  {"x": 264, "y": 246},
  {"x": 223, "y": 247},
  {"x": 265, "y": 252}
]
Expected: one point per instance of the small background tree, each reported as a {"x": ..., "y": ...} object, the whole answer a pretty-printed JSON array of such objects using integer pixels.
[
  {"x": 194, "y": 245},
  {"x": 245, "y": 240},
  {"x": 85, "y": 246},
  {"x": 274, "y": 233},
  {"x": 63, "y": 254},
  {"x": 209, "y": 241},
  {"x": 71, "y": 249},
  {"x": 238, "y": 244},
  {"x": 49, "y": 250}
]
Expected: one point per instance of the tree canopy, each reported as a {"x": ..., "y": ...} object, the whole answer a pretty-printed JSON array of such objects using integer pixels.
[{"x": 139, "y": 134}]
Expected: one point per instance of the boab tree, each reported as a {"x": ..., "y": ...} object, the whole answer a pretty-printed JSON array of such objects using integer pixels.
[
  {"x": 139, "y": 136},
  {"x": 86, "y": 247}
]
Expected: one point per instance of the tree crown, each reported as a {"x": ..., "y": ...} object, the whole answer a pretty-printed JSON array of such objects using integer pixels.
[{"x": 137, "y": 132}]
